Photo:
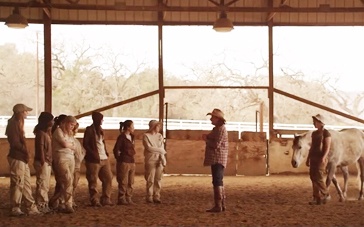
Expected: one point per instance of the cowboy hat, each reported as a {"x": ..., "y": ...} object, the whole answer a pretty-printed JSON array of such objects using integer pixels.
[{"x": 217, "y": 113}]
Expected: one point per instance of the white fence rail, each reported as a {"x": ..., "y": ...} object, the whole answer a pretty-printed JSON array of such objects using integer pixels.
[{"x": 172, "y": 124}]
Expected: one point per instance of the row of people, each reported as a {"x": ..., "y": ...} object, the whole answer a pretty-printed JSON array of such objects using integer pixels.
[{"x": 57, "y": 149}]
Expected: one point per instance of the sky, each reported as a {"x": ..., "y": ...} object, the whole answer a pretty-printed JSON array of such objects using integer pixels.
[{"x": 334, "y": 52}]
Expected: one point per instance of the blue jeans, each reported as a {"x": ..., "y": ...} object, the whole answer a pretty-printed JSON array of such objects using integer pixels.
[{"x": 217, "y": 171}]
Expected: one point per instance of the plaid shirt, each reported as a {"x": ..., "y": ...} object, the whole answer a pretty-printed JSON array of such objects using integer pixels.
[{"x": 217, "y": 146}]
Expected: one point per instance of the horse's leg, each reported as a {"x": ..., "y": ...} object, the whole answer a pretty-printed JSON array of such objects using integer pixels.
[
  {"x": 361, "y": 169},
  {"x": 331, "y": 177},
  {"x": 345, "y": 172}
]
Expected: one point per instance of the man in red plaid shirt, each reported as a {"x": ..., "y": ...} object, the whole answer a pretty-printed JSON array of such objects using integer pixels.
[{"x": 216, "y": 153}]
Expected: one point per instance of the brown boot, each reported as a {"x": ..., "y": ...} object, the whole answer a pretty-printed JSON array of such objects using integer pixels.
[{"x": 217, "y": 198}]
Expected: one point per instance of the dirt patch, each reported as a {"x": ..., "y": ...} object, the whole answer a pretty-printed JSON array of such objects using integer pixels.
[{"x": 276, "y": 200}]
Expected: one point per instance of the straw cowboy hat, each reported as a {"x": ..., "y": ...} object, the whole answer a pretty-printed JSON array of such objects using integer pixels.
[
  {"x": 153, "y": 123},
  {"x": 319, "y": 117},
  {"x": 217, "y": 113}
]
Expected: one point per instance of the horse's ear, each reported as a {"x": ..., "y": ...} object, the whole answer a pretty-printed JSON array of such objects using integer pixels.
[{"x": 296, "y": 135}]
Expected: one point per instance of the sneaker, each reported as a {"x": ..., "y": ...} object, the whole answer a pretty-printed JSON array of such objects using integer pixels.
[
  {"x": 158, "y": 201},
  {"x": 69, "y": 210},
  {"x": 96, "y": 204},
  {"x": 45, "y": 210},
  {"x": 107, "y": 203},
  {"x": 33, "y": 211},
  {"x": 130, "y": 201},
  {"x": 122, "y": 202},
  {"x": 16, "y": 212},
  {"x": 61, "y": 207},
  {"x": 149, "y": 200}
]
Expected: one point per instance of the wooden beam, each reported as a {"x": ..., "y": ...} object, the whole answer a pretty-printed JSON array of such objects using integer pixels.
[
  {"x": 118, "y": 104},
  {"x": 318, "y": 105},
  {"x": 215, "y": 87}
]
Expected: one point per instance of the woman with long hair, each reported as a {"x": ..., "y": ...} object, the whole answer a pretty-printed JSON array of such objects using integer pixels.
[
  {"x": 124, "y": 152},
  {"x": 54, "y": 200},
  {"x": 97, "y": 162},
  {"x": 18, "y": 159},
  {"x": 64, "y": 146},
  {"x": 43, "y": 160}
]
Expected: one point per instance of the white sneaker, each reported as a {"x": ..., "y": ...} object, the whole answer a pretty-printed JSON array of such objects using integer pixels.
[
  {"x": 16, "y": 212},
  {"x": 33, "y": 210}
]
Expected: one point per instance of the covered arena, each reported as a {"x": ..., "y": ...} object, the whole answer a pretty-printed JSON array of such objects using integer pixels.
[{"x": 262, "y": 187}]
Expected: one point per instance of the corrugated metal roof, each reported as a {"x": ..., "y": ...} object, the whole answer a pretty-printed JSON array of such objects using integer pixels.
[{"x": 190, "y": 12}]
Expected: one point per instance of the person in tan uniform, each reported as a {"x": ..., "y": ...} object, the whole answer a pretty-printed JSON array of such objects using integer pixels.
[
  {"x": 97, "y": 162},
  {"x": 43, "y": 160},
  {"x": 317, "y": 160},
  {"x": 18, "y": 158},
  {"x": 154, "y": 161}
]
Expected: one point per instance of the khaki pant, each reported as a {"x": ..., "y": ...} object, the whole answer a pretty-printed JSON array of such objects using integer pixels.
[
  {"x": 125, "y": 173},
  {"x": 65, "y": 168},
  {"x": 153, "y": 176},
  {"x": 102, "y": 171},
  {"x": 43, "y": 175},
  {"x": 76, "y": 178},
  {"x": 317, "y": 176},
  {"x": 20, "y": 184}
]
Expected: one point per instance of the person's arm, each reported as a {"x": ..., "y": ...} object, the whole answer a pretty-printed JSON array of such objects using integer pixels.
[
  {"x": 58, "y": 136},
  {"x": 117, "y": 147},
  {"x": 308, "y": 158},
  {"x": 309, "y": 155},
  {"x": 13, "y": 135},
  {"x": 215, "y": 138},
  {"x": 149, "y": 146},
  {"x": 87, "y": 139},
  {"x": 40, "y": 147},
  {"x": 326, "y": 148}
]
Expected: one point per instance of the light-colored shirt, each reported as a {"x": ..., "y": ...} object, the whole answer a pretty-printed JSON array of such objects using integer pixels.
[
  {"x": 154, "y": 148},
  {"x": 101, "y": 147},
  {"x": 58, "y": 149}
]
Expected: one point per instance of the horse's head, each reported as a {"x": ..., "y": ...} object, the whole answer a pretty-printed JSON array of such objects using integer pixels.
[{"x": 300, "y": 147}]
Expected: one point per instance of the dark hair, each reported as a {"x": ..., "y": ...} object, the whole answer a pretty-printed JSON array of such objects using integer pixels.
[
  {"x": 96, "y": 120},
  {"x": 125, "y": 125},
  {"x": 57, "y": 121},
  {"x": 43, "y": 122}
]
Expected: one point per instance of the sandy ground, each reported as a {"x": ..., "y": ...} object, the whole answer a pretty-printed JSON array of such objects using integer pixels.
[{"x": 276, "y": 200}]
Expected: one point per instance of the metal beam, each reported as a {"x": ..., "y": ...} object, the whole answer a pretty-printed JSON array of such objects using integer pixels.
[{"x": 188, "y": 8}]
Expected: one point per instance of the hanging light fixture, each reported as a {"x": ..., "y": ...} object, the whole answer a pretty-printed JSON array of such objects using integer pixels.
[
  {"x": 16, "y": 20},
  {"x": 223, "y": 24}
]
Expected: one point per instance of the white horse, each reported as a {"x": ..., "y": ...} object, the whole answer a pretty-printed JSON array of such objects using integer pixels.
[{"x": 347, "y": 147}]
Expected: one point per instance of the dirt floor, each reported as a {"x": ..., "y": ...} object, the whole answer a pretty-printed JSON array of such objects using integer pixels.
[{"x": 276, "y": 200}]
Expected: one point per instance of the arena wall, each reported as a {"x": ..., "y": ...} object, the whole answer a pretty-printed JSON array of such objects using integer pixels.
[{"x": 251, "y": 155}]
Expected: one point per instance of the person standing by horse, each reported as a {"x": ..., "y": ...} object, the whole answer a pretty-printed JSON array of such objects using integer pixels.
[
  {"x": 317, "y": 160},
  {"x": 216, "y": 154}
]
